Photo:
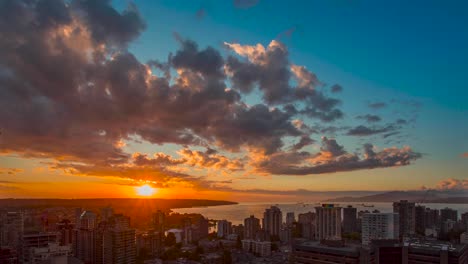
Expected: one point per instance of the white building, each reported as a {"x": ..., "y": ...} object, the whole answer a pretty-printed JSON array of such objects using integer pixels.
[{"x": 379, "y": 226}]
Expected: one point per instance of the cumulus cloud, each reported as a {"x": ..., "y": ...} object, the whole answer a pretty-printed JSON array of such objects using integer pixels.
[
  {"x": 453, "y": 184},
  {"x": 334, "y": 158},
  {"x": 73, "y": 92},
  {"x": 269, "y": 69}
]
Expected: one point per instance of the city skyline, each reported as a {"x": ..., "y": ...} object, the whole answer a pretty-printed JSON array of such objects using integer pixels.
[{"x": 232, "y": 100}]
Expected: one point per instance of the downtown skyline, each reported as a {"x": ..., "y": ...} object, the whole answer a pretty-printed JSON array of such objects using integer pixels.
[{"x": 243, "y": 100}]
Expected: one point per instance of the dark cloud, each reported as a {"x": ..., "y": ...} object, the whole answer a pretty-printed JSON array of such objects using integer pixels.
[
  {"x": 377, "y": 105},
  {"x": 336, "y": 88},
  {"x": 304, "y": 141},
  {"x": 369, "y": 131},
  {"x": 370, "y": 118},
  {"x": 244, "y": 4},
  {"x": 269, "y": 70},
  {"x": 107, "y": 24}
]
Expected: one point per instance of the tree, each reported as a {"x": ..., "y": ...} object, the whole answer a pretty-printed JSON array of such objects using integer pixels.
[{"x": 170, "y": 240}]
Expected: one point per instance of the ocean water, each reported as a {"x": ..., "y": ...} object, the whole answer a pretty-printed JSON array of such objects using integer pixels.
[{"x": 238, "y": 212}]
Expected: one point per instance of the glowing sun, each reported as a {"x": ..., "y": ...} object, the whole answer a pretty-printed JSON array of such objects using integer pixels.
[{"x": 145, "y": 190}]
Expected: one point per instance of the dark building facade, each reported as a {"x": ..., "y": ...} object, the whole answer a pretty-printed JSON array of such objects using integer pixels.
[{"x": 349, "y": 219}]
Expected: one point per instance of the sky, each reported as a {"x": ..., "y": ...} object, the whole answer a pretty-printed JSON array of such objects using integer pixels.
[{"x": 242, "y": 100}]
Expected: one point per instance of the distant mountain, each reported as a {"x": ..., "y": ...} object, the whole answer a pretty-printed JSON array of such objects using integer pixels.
[{"x": 427, "y": 196}]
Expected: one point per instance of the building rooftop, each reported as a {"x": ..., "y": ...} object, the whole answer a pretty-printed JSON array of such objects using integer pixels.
[{"x": 351, "y": 250}]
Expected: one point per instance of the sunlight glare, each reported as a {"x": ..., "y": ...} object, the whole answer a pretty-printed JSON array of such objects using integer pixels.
[{"x": 145, "y": 190}]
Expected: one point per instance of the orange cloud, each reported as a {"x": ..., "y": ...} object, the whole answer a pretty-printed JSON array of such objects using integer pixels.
[{"x": 453, "y": 184}]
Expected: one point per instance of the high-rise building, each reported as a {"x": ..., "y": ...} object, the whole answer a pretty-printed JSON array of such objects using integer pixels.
[
  {"x": 118, "y": 241},
  {"x": 290, "y": 218},
  {"x": 272, "y": 221},
  {"x": 420, "y": 218},
  {"x": 349, "y": 219},
  {"x": 307, "y": 224},
  {"x": 407, "y": 215},
  {"x": 448, "y": 214},
  {"x": 85, "y": 242},
  {"x": 328, "y": 222},
  {"x": 251, "y": 227},
  {"x": 432, "y": 218},
  {"x": 224, "y": 228},
  {"x": 379, "y": 226}
]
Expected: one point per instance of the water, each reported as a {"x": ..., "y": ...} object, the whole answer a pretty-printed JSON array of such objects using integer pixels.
[{"x": 238, "y": 212}]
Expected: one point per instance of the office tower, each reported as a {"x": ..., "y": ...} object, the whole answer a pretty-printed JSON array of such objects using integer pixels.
[
  {"x": 65, "y": 229},
  {"x": 349, "y": 219},
  {"x": 306, "y": 223},
  {"x": 251, "y": 227},
  {"x": 328, "y": 222},
  {"x": 290, "y": 218},
  {"x": 224, "y": 228},
  {"x": 406, "y": 212},
  {"x": 379, "y": 226},
  {"x": 448, "y": 214},
  {"x": 106, "y": 213},
  {"x": 158, "y": 220},
  {"x": 85, "y": 243},
  {"x": 35, "y": 240},
  {"x": 420, "y": 219},
  {"x": 272, "y": 221},
  {"x": 432, "y": 218}
]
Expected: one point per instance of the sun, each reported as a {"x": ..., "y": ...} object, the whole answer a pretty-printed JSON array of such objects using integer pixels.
[{"x": 145, "y": 190}]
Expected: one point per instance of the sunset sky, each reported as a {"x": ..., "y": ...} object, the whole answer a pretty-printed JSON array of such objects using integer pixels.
[{"x": 239, "y": 100}]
